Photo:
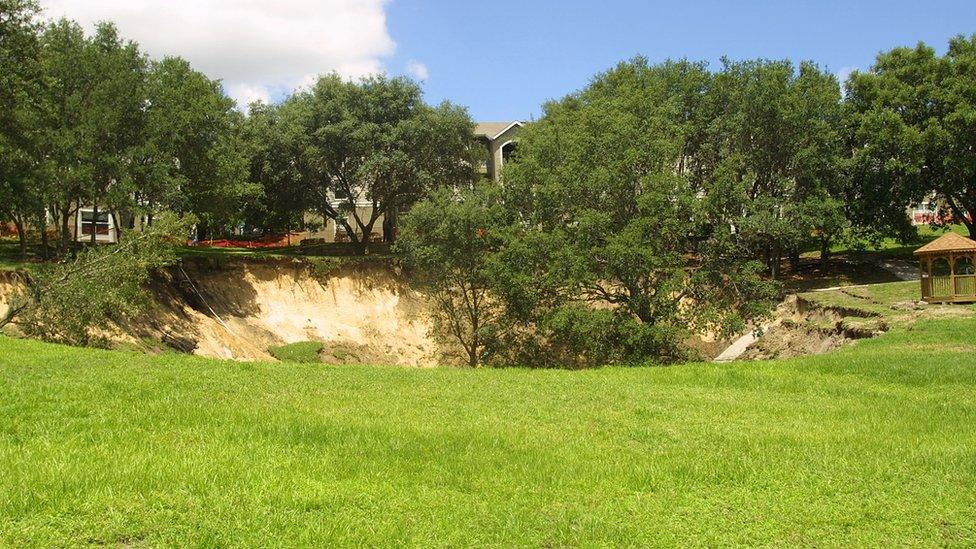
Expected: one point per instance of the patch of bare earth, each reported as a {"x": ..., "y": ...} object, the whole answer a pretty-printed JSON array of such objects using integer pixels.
[
  {"x": 361, "y": 313},
  {"x": 805, "y": 326}
]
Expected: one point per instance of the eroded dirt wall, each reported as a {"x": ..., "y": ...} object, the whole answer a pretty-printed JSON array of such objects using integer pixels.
[{"x": 363, "y": 313}]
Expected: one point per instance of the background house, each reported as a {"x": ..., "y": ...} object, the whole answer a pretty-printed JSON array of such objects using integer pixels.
[{"x": 500, "y": 138}]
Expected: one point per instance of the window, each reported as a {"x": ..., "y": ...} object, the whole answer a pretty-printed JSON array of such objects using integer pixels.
[
  {"x": 964, "y": 266},
  {"x": 89, "y": 224},
  {"x": 508, "y": 150},
  {"x": 940, "y": 267}
]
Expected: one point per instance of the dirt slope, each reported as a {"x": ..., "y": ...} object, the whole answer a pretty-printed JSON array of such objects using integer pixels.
[
  {"x": 363, "y": 313},
  {"x": 9, "y": 282}
]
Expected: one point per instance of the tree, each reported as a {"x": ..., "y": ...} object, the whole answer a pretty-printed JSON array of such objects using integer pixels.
[
  {"x": 777, "y": 141},
  {"x": 114, "y": 119},
  {"x": 371, "y": 148},
  {"x": 913, "y": 132},
  {"x": 66, "y": 128},
  {"x": 21, "y": 81},
  {"x": 132, "y": 137},
  {"x": 451, "y": 240},
  {"x": 194, "y": 159},
  {"x": 613, "y": 237},
  {"x": 271, "y": 134}
]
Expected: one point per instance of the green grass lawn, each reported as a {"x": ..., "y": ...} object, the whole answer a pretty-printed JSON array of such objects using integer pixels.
[
  {"x": 890, "y": 247},
  {"x": 872, "y": 445},
  {"x": 875, "y": 299},
  {"x": 10, "y": 258}
]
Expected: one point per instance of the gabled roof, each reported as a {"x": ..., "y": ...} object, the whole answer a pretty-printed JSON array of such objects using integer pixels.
[
  {"x": 492, "y": 130},
  {"x": 949, "y": 242}
]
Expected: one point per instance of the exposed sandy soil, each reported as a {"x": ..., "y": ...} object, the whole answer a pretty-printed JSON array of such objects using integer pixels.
[
  {"x": 798, "y": 332},
  {"x": 10, "y": 282},
  {"x": 363, "y": 313}
]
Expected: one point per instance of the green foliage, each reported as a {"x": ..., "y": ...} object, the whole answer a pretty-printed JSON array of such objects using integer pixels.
[
  {"x": 776, "y": 141},
  {"x": 912, "y": 128},
  {"x": 373, "y": 141},
  {"x": 194, "y": 159},
  {"x": 868, "y": 446},
  {"x": 74, "y": 300},
  {"x": 451, "y": 240},
  {"x": 272, "y": 134},
  {"x": 302, "y": 351},
  {"x": 101, "y": 126},
  {"x": 606, "y": 220},
  {"x": 21, "y": 82}
]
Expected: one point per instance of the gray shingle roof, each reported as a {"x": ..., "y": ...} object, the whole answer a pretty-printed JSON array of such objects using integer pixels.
[{"x": 491, "y": 129}]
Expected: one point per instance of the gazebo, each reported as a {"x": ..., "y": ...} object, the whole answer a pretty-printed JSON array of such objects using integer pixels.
[{"x": 947, "y": 266}]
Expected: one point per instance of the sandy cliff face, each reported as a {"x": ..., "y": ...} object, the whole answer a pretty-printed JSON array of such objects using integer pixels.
[
  {"x": 362, "y": 313},
  {"x": 9, "y": 283}
]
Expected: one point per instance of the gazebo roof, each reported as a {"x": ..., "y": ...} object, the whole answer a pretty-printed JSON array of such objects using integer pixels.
[{"x": 949, "y": 242}]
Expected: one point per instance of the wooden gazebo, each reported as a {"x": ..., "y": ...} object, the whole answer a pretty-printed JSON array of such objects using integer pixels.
[{"x": 947, "y": 266}]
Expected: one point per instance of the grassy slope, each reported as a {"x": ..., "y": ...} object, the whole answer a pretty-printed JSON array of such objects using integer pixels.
[
  {"x": 872, "y": 445},
  {"x": 876, "y": 299}
]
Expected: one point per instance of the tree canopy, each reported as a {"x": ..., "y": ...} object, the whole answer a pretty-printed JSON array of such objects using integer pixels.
[
  {"x": 366, "y": 149},
  {"x": 913, "y": 132},
  {"x": 89, "y": 121},
  {"x": 626, "y": 242}
]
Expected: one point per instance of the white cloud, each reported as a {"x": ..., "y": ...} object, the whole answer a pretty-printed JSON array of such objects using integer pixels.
[
  {"x": 245, "y": 94},
  {"x": 257, "y": 47},
  {"x": 417, "y": 70}
]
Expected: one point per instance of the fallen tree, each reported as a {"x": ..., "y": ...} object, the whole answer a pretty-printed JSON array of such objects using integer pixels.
[{"x": 66, "y": 302}]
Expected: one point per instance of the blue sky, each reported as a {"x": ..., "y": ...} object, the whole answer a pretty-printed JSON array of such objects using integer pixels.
[{"x": 503, "y": 58}]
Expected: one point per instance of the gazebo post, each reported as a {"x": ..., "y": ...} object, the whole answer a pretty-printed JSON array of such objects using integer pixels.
[{"x": 952, "y": 274}]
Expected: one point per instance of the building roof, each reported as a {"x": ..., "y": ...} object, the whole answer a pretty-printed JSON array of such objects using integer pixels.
[
  {"x": 491, "y": 130},
  {"x": 949, "y": 242}
]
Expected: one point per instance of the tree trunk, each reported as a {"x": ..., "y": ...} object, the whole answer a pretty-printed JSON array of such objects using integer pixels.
[
  {"x": 65, "y": 234},
  {"x": 360, "y": 245},
  {"x": 824, "y": 253},
  {"x": 94, "y": 229},
  {"x": 775, "y": 256},
  {"x": 970, "y": 222},
  {"x": 117, "y": 224},
  {"x": 970, "y": 211},
  {"x": 389, "y": 225},
  {"x": 21, "y": 236},
  {"x": 44, "y": 240},
  {"x": 794, "y": 259},
  {"x": 475, "y": 341}
]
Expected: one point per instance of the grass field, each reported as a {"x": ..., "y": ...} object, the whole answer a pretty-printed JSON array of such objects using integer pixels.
[{"x": 873, "y": 445}]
